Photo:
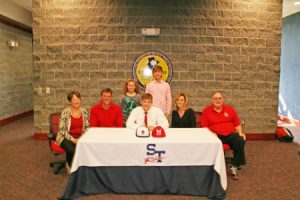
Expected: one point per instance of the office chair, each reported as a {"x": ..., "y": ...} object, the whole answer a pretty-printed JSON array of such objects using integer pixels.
[{"x": 57, "y": 150}]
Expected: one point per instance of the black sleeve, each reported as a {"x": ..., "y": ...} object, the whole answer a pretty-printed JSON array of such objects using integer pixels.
[
  {"x": 173, "y": 121},
  {"x": 192, "y": 118}
]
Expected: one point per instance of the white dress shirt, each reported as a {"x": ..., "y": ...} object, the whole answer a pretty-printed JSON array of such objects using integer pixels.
[{"x": 155, "y": 117}]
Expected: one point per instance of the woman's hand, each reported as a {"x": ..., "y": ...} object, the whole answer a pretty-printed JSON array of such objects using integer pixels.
[{"x": 74, "y": 140}]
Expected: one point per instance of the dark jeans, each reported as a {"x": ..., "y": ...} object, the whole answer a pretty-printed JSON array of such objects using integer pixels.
[
  {"x": 237, "y": 144},
  {"x": 69, "y": 148}
]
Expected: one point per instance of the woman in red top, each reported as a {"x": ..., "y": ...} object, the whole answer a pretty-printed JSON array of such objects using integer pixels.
[{"x": 73, "y": 122}]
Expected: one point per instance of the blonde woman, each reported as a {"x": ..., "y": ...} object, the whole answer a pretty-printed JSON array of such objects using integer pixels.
[{"x": 183, "y": 116}]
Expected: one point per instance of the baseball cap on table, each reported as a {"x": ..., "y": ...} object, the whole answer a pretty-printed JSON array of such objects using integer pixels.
[
  {"x": 158, "y": 132},
  {"x": 142, "y": 132}
]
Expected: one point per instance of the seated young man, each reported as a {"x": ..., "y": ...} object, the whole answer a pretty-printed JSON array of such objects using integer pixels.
[{"x": 147, "y": 115}]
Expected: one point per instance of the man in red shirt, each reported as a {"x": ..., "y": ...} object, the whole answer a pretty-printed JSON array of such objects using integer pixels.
[
  {"x": 106, "y": 113},
  {"x": 223, "y": 120}
]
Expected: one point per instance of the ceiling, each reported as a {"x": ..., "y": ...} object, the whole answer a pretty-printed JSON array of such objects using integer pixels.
[
  {"x": 27, "y": 4},
  {"x": 288, "y": 6}
]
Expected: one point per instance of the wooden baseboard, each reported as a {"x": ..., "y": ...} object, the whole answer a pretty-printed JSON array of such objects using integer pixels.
[
  {"x": 15, "y": 117},
  {"x": 260, "y": 136},
  {"x": 40, "y": 136}
]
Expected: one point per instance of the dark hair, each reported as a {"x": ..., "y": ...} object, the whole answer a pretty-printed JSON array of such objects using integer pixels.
[
  {"x": 146, "y": 96},
  {"x": 106, "y": 90},
  {"x": 72, "y": 93},
  {"x": 157, "y": 68}
]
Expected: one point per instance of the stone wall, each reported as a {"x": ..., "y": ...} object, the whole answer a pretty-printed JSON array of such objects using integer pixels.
[
  {"x": 227, "y": 45},
  {"x": 16, "y": 85}
]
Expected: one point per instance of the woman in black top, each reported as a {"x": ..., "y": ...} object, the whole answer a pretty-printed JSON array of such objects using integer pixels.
[{"x": 183, "y": 116}]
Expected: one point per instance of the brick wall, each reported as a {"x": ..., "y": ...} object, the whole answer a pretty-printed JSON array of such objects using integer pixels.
[
  {"x": 16, "y": 90},
  {"x": 227, "y": 45}
]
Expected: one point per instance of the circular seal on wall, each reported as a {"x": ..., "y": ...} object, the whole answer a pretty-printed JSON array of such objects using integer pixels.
[{"x": 143, "y": 65}]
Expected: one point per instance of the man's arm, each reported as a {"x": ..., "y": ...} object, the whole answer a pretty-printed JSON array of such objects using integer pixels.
[
  {"x": 93, "y": 118},
  {"x": 238, "y": 129},
  {"x": 161, "y": 119},
  {"x": 168, "y": 100},
  {"x": 119, "y": 117},
  {"x": 237, "y": 124}
]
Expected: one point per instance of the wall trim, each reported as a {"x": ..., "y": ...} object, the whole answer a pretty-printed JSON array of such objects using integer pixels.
[
  {"x": 15, "y": 117},
  {"x": 40, "y": 136},
  {"x": 16, "y": 25},
  {"x": 260, "y": 136}
]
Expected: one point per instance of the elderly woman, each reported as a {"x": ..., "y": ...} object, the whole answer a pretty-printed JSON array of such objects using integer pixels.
[
  {"x": 183, "y": 116},
  {"x": 74, "y": 121}
]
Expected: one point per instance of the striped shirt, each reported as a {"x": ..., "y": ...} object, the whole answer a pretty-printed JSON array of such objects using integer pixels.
[{"x": 161, "y": 93}]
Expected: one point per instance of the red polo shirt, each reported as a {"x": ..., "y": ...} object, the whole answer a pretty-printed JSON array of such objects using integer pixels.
[
  {"x": 112, "y": 117},
  {"x": 222, "y": 123}
]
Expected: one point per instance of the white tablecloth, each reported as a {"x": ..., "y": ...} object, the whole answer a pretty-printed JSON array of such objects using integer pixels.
[{"x": 121, "y": 147}]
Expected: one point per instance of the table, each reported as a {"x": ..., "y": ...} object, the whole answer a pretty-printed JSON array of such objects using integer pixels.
[{"x": 187, "y": 161}]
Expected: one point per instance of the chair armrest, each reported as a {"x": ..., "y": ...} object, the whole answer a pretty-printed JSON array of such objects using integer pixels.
[{"x": 51, "y": 136}]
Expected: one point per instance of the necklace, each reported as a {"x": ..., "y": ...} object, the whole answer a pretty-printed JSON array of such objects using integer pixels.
[{"x": 75, "y": 113}]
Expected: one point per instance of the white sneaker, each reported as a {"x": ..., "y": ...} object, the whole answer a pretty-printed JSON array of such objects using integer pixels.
[{"x": 234, "y": 172}]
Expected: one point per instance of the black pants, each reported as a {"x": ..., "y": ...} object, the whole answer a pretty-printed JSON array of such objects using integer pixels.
[
  {"x": 237, "y": 144},
  {"x": 69, "y": 148}
]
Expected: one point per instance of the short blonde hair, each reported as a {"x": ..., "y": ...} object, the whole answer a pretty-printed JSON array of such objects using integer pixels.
[
  {"x": 185, "y": 98},
  {"x": 136, "y": 90}
]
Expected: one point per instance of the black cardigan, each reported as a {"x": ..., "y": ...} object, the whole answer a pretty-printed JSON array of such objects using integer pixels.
[{"x": 188, "y": 120}]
